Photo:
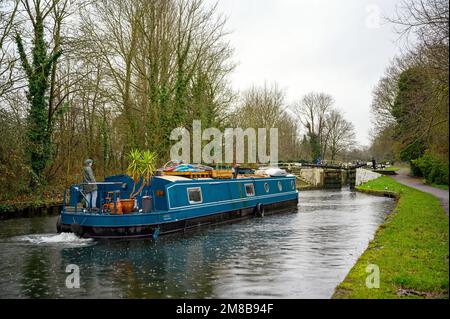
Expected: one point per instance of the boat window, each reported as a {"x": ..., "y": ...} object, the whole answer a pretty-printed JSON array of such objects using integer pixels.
[
  {"x": 266, "y": 187},
  {"x": 293, "y": 184},
  {"x": 195, "y": 195},
  {"x": 250, "y": 189},
  {"x": 280, "y": 187}
]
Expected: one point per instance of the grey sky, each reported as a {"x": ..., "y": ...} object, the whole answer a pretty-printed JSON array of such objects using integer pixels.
[{"x": 332, "y": 46}]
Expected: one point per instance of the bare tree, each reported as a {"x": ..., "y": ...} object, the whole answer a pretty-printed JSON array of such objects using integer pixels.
[
  {"x": 260, "y": 107},
  {"x": 264, "y": 107},
  {"x": 7, "y": 56},
  {"x": 166, "y": 63},
  {"x": 427, "y": 19},
  {"x": 340, "y": 133},
  {"x": 312, "y": 112}
]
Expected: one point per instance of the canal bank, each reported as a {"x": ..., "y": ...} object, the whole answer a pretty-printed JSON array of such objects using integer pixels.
[
  {"x": 418, "y": 183},
  {"x": 30, "y": 208},
  {"x": 410, "y": 248}
]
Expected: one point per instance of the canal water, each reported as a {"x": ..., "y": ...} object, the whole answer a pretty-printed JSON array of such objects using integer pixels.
[{"x": 294, "y": 255}]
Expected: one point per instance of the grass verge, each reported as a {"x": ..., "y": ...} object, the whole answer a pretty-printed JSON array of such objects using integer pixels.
[
  {"x": 444, "y": 187},
  {"x": 410, "y": 248}
]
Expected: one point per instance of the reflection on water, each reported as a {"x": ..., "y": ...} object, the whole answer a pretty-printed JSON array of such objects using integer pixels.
[{"x": 302, "y": 255}]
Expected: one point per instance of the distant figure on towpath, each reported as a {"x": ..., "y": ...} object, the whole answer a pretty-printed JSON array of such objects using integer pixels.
[
  {"x": 374, "y": 163},
  {"x": 89, "y": 189}
]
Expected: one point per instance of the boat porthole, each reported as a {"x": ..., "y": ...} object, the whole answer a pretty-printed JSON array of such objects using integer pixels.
[
  {"x": 266, "y": 187},
  {"x": 280, "y": 187}
]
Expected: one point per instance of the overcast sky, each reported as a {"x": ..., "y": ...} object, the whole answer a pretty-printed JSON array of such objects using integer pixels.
[{"x": 340, "y": 47}]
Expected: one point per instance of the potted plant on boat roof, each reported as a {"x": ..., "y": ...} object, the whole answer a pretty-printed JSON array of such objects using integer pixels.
[{"x": 141, "y": 167}]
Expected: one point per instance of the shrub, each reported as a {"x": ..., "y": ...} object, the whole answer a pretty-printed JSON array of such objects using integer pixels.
[
  {"x": 431, "y": 168},
  {"x": 415, "y": 170}
]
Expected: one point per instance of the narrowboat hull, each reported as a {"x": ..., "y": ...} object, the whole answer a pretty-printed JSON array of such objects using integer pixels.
[
  {"x": 186, "y": 225},
  {"x": 177, "y": 204}
]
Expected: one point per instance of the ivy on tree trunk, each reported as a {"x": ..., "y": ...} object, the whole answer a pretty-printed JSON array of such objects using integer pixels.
[{"x": 39, "y": 137}]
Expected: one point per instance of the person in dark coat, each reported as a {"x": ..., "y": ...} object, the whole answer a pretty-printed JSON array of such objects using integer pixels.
[
  {"x": 374, "y": 163},
  {"x": 235, "y": 170},
  {"x": 90, "y": 189}
]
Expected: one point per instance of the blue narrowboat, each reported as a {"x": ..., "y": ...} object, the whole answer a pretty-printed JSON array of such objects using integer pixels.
[{"x": 173, "y": 203}]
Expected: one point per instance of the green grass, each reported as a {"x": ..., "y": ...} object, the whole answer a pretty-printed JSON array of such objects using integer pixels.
[
  {"x": 444, "y": 187},
  {"x": 411, "y": 248}
]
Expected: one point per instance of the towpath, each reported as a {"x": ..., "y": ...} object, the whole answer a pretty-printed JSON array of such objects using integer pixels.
[{"x": 404, "y": 178}]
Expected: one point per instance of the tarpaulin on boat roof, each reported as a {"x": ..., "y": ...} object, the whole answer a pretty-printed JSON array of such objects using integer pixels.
[{"x": 172, "y": 178}]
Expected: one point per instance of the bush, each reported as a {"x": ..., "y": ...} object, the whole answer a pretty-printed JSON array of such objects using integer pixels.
[
  {"x": 439, "y": 174},
  {"x": 415, "y": 170},
  {"x": 431, "y": 168}
]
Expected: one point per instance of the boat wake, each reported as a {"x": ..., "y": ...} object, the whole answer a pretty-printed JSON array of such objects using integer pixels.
[{"x": 65, "y": 239}]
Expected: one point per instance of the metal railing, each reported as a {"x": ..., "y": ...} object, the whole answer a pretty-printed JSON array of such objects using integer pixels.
[
  {"x": 330, "y": 166},
  {"x": 79, "y": 189}
]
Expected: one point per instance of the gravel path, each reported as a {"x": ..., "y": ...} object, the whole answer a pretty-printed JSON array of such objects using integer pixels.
[{"x": 417, "y": 183}]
